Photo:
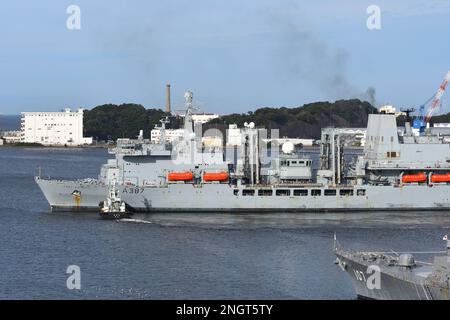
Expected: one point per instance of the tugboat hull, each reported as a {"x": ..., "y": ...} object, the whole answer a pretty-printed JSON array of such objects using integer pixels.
[{"x": 115, "y": 215}]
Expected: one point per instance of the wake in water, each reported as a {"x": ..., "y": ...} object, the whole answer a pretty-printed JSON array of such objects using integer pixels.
[{"x": 133, "y": 220}]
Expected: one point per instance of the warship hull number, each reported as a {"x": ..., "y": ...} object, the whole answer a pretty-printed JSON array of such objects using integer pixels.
[
  {"x": 359, "y": 275},
  {"x": 133, "y": 190}
]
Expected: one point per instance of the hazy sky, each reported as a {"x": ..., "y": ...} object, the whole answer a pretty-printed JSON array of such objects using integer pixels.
[{"x": 234, "y": 55}]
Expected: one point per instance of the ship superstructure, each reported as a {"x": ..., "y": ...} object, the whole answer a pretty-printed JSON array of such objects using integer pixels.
[{"x": 398, "y": 170}]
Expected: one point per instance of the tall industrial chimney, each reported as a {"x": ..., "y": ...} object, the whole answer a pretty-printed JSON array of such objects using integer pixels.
[{"x": 168, "y": 98}]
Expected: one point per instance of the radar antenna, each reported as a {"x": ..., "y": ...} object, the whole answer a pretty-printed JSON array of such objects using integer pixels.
[{"x": 408, "y": 111}]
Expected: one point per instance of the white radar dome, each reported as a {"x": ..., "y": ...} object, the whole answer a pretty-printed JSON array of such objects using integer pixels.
[{"x": 287, "y": 147}]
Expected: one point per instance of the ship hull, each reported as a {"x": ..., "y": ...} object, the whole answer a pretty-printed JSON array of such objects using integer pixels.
[
  {"x": 216, "y": 197},
  {"x": 405, "y": 287}
]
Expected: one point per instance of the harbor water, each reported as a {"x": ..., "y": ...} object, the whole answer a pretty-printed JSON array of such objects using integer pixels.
[{"x": 180, "y": 256}]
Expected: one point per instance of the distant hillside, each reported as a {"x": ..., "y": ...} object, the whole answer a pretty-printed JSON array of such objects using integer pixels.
[
  {"x": 306, "y": 121},
  {"x": 112, "y": 121},
  {"x": 443, "y": 118}
]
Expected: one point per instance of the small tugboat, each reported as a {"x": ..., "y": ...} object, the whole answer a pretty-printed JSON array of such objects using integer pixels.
[{"x": 113, "y": 207}]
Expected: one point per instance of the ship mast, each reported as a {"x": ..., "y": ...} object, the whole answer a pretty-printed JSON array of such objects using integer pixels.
[
  {"x": 188, "y": 130},
  {"x": 162, "y": 129}
]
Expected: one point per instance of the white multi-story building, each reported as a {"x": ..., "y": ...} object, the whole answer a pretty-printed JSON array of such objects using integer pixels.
[
  {"x": 11, "y": 136},
  {"x": 203, "y": 117},
  {"x": 171, "y": 135},
  {"x": 54, "y": 128},
  {"x": 390, "y": 109},
  {"x": 234, "y": 136}
]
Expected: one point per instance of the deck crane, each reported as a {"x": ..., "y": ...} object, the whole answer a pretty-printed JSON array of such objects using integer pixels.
[{"x": 422, "y": 120}]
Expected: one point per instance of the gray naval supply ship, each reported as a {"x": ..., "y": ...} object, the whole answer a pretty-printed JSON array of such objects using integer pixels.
[
  {"x": 398, "y": 170},
  {"x": 395, "y": 276}
]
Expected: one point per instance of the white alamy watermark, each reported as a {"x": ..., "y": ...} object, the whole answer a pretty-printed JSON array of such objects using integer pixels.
[
  {"x": 374, "y": 20},
  {"x": 74, "y": 280},
  {"x": 73, "y": 21},
  {"x": 373, "y": 281}
]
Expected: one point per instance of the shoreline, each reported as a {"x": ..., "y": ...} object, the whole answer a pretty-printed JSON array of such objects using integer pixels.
[
  {"x": 104, "y": 146},
  {"x": 40, "y": 146}
]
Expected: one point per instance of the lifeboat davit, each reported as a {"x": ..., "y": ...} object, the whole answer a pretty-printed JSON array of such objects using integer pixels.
[
  {"x": 181, "y": 176},
  {"x": 414, "y": 178},
  {"x": 215, "y": 176},
  {"x": 440, "y": 177}
]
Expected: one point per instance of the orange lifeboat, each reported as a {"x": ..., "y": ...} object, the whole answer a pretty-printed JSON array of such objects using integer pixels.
[
  {"x": 215, "y": 176},
  {"x": 440, "y": 177},
  {"x": 181, "y": 176},
  {"x": 414, "y": 178}
]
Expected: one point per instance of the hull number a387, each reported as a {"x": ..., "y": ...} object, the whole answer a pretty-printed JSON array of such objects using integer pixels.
[{"x": 133, "y": 190}]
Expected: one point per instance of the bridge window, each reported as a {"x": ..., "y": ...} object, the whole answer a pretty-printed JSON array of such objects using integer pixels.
[
  {"x": 283, "y": 192},
  {"x": 236, "y": 192},
  {"x": 248, "y": 192},
  {"x": 392, "y": 154},
  {"x": 361, "y": 192},
  {"x": 346, "y": 192},
  {"x": 265, "y": 192},
  {"x": 316, "y": 192},
  {"x": 330, "y": 192},
  {"x": 301, "y": 192}
]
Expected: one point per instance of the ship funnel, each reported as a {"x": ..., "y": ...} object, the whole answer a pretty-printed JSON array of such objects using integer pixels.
[{"x": 168, "y": 98}]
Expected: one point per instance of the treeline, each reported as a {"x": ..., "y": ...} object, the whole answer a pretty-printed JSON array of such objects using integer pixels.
[
  {"x": 443, "y": 118},
  {"x": 306, "y": 121},
  {"x": 110, "y": 121}
]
